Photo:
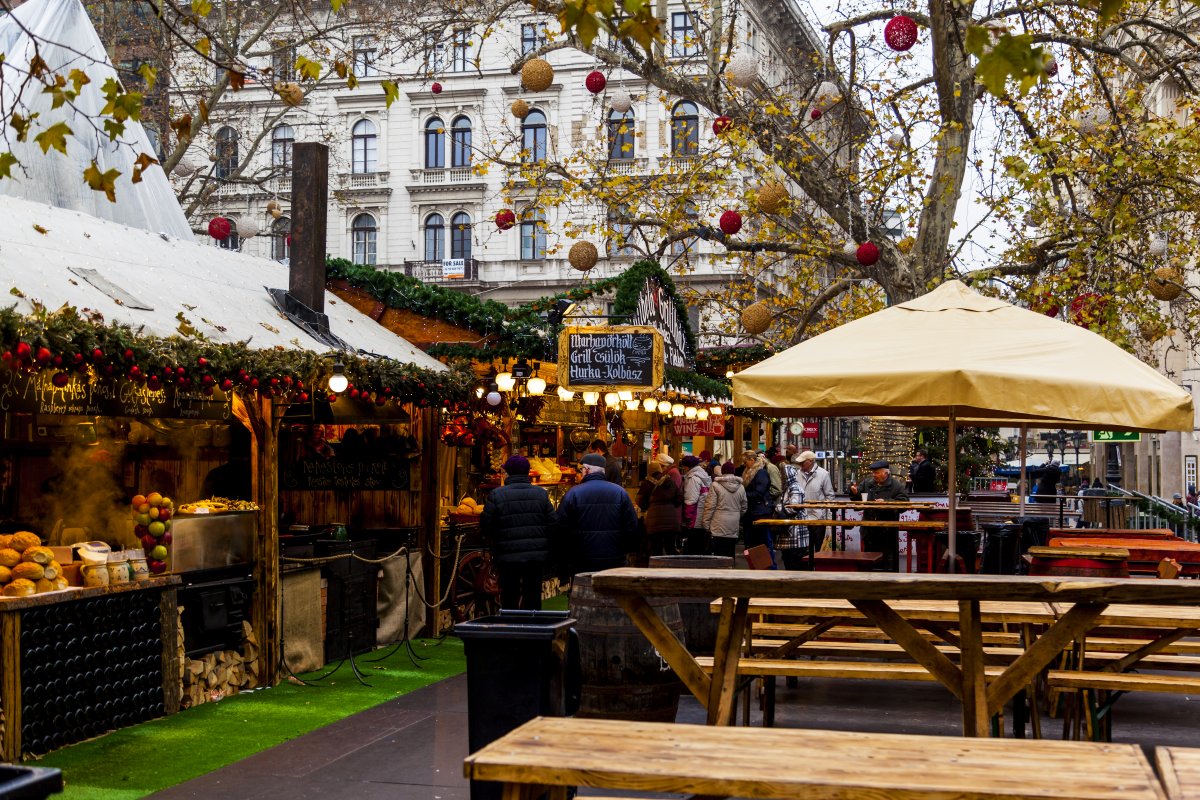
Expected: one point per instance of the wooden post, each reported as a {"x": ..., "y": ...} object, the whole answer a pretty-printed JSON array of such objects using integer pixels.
[
  {"x": 258, "y": 413},
  {"x": 310, "y": 204},
  {"x": 10, "y": 685},
  {"x": 739, "y": 439},
  {"x": 430, "y": 534}
]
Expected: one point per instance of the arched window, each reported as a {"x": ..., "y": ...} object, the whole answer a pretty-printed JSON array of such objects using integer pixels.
[
  {"x": 533, "y": 235},
  {"x": 281, "y": 234},
  {"x": 363, "y": 234},
  {"x": 533, "y": 139},
  {"x": 685, "y": 129},
  {"x": 364, "y": 147},
  {"x": 460, "y": 236},
  {"x": 232, "y": 241},
  {"x": 435, "y": 237},
  {"x": 620, "y": 135},
  {"x": 435, "y": 144},
  {"x": 226, "y": 152},
  {"x": 460, "y": 142},
  {"x": 282, "y": 139}
]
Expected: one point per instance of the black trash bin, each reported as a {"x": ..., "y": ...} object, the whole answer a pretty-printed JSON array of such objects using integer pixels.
[
  {"x": 520, "y": 665},
  {"x": 1001, "y": 548},
  {"x": 1035, "y": 533},
  {"x": 29, "y": 783}
]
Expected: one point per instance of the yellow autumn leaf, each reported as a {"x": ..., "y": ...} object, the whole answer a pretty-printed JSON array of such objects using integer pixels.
[
  {"x": 204, "y": 47},
  {"x": 55, "y": 136},
  {"x": 102, "y": 181}
]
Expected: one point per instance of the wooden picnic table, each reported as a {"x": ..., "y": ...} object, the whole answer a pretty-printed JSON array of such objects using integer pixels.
[
  {"x": 894, "y": 505},
  {"x": 1079, "y": 601},
  {"x": 1107, "y": 533},
  {"x": 549, "y": 755},
  {"x": 1144, "y": 554},
  {"x": 900, "y": 525}
]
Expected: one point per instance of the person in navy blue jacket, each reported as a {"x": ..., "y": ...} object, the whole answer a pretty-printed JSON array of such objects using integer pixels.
[
  {"x": 516, "y": 521},
  {"x": 597, "y": 520}
]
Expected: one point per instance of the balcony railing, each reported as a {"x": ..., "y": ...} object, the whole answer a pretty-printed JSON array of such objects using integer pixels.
[
  {"x": 364, "y": 180},
  {"x": 281, "y": 185},
  {"x": 627, "y": 166},
  {"x": 443, "y": 175},
  {"x": 445, "y": 271},
  {"x": 677, "y": 163}
]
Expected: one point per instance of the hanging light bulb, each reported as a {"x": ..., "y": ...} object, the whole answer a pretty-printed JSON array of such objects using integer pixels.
[
  {"x": 690, "y": 412},
  {"x": 611, "y": 399},
  {"x": 479, "y": 391},
  {"x": 664, "y": 406},
  {"x": 506, "y": 382},
  {"x": 338, "y": 380},
  {"x": 649, "y": 404},
  {"x": 494, "y": 398},
  {"x": 536, "y": 386},
  {"x": 591, "y": 398},
  {"x": 702, "y": 414},
  {"x": 716, "y": 410},
  {"x": 728, "y": 373},
  {"x": 565, "y": 394},
  {"x": 625, "y": 396},
  {"x": 632, "y": 405},
  {"x": 677, "y": 410}
]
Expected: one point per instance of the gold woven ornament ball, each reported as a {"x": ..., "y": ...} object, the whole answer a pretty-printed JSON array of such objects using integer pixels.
[
  {"x": 537, "y": 75},
  {"x": 276, "y": 213},
  {"x": 520, "y": 109},
  {"x": 1166, "y": 284},
  {"x": 772, "y": 197},
  {"x": 756, "y": 319},
  {"x": 583, "y": 256},
  {"x": 291, "y": 94},
  {"x": 272, "y": 205}
]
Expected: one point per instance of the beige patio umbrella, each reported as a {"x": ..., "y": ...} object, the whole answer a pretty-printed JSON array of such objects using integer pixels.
[{"x": 956, "y": 355}]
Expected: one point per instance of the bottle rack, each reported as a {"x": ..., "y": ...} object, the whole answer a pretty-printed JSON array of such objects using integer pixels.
[{"x": 88, "y": 667}]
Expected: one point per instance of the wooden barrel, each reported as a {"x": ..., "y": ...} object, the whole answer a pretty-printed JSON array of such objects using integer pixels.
[
  {"x": 1087, "y": 562},
  {"x": 623, "y": 675},
  {"x": 699, "y": 623}
]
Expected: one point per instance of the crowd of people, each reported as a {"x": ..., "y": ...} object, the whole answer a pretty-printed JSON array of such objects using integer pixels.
[{"x": 696, "y": 506}]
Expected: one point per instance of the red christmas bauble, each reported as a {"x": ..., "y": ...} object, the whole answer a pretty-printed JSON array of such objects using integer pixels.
[
  {"x": 815, "y": 114},
  {"x": 867, "y": 254},
  {"x": 731, "y": 222},
  {"x": 1050, "y": 67},
  {"x": 595, "y": 81},
  {"x": 505, "y": 219},
  {"x": 722, "y": 124},
  {"x": 900, "y": 33},
  {"x": 436, "y": 88},
  {"x": 219, "y": 228}
]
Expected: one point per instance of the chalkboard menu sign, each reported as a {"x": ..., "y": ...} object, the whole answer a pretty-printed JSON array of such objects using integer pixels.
[
  {"x": 610, "y": 358},
  {"x": 87, "y": 395},
  {"x": 337, "y": 473}
]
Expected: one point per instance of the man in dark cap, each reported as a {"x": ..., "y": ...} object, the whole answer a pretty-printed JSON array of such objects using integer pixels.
[
  {"x": 598, "y": 519},
  {"x": 516, "y": 522},
  {"x": 881, "y": 486},
  {"x": 613, "y": 467}
]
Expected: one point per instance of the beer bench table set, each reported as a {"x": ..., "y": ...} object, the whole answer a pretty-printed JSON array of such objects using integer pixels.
[
  {"x": 1079, "y": 605},
  {"x": 550, "y": 755},
  {"x": 851, "y": 564}
]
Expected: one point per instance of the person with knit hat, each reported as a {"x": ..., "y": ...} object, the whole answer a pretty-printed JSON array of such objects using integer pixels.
[
  {"x": 696, "y": 485},
  {"x": 516, "y": 524},
  {"x": 663, "y": 506},
  {"x": 598, "y": 520}
]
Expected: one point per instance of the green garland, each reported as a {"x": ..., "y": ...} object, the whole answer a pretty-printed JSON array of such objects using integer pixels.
[
  {"x": 65, "y": 341},
  {"x": 721, "y": 358},
  {"x": 629, "y": 289}
]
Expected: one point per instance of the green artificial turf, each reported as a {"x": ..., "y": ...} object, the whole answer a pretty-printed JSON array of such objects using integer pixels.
[{"x": 143, "y": 759}]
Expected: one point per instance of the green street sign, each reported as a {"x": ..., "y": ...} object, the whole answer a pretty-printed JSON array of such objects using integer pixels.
[{"x": 1116, "y": 436}]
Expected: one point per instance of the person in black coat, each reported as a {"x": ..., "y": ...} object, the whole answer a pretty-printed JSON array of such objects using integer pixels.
[
  {"x": 1047, "y": 486},
  {"x": 598, "y": 519},
  {"x": 922, "y": 474},
  {"x": 516, "y": 522}
]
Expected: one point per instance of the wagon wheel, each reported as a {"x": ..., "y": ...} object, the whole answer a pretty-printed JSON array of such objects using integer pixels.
[{"x": 467, "y": 599}]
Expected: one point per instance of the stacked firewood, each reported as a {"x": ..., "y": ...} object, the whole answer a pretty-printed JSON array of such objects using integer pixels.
[{"x": 217, "y": 675}]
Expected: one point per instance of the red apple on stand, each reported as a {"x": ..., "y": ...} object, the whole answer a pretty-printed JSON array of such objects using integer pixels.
[{"x": 158, "y": 567}]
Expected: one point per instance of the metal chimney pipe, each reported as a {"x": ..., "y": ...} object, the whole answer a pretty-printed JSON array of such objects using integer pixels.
[{"x": 310, "y": 204}]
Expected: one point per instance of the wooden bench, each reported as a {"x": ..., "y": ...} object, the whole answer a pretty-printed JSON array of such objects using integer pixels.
[
  {"x": 842, "y": 561},
  {"x": 552, "y": 754},
  {"x": 1100, "y": 690},
  {"x": 1179, "y": 769}
]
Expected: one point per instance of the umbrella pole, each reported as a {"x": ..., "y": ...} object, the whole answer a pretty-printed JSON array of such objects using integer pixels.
[
  {"x": 1021, "y": 485},
  {"x": 952, "y": 485}
]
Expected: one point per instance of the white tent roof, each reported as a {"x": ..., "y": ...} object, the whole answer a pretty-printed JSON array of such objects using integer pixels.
[
  {"x": 219, "y": 292},
  {"x": 62, "y": 34}
]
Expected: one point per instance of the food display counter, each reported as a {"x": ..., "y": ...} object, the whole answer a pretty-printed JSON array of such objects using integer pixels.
[{"x": 80, "y": 662}]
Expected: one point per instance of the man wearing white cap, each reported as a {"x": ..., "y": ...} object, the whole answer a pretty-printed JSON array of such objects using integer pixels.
[{"x": 807, "y": 483}]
